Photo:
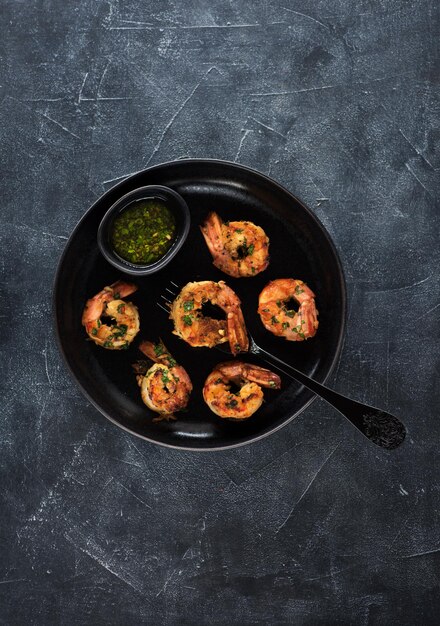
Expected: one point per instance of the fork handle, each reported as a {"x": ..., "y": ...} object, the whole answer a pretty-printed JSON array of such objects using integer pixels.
[{"x": 380, "y": 427}]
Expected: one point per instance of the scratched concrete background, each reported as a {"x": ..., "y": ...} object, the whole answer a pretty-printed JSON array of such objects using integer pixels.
[{"x": 337, "y": 100}]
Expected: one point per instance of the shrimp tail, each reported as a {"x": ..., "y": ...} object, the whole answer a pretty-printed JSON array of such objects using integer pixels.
[
  {"x": 238, "y": 371},
  {"x": 167, "y": 417},
  {"x": 93, "y": 310},
  {"x": 157, "y": 352},
  {"x": 141, "y": 368},
  {"x": 308, "y": 318},
  {"x": 212, "y": 232},
  {"x": 237, "y": 334},
  {"x": 263, "y": 377},
  {"x": 122, "y": 289},
  {"x": 96, "y": 306},
  {"x": 147, "y": 348}
]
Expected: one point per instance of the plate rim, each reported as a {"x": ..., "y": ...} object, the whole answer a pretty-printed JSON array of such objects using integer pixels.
[{"x": 282, "y": 188}]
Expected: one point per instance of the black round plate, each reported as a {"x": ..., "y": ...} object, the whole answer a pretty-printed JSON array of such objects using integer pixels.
[{"x": 299, "y": 248}]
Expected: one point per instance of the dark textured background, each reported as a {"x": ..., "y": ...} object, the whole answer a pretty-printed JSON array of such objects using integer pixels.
[{"x": 338, "y": 101}]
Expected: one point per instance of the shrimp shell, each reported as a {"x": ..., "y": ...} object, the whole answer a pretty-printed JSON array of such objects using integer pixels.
[
  {"x": 277, "y": 319},
  {"x": 109, "y": 303},
  {"x": 202, "y": 331},
  {"x": 239, "y": 249},
  {"x": 250, "y": 378}
]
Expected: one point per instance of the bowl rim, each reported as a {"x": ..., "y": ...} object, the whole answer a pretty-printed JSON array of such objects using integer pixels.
[{"x": 143, "y": 193}]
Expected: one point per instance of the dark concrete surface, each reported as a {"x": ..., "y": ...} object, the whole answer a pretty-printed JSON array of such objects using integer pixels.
[{"x": 338, "y": 101}]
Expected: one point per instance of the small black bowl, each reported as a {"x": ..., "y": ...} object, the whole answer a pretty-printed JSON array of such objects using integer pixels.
[{"x": 173, "y": 201}]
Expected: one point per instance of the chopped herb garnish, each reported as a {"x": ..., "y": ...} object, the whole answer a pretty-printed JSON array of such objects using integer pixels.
[
  {"x": 272, "y": 383},
  {"x": 298, "y": 290},
  {"x": 278, "y": 303},
  {"x": 187, "y": 319},
  {"x": 165, "y": 378},
  {"x": 98, "y": 323},
  {"x": 108, "y": 344},
  {"x": 290, "y": 313},
  {"x": 171, "y": 362},
  {"x": 121, "y": 308},
  {"x": 265, "y": 310},
  {"x": 126, "y": 345},
  {"x": 188, "y": 305},
  {"x": 286, "y": 325},
  {"x": 231, "y": 403},
  {"x": 116, "y": 295},
  {"x": 94, "y": 331},
  {"x": 302, "y": 335},
  {"x": 143, "y": 232},
  {"x": 218, "y": 381},
  {"x": 158, "y": 349},
  {"x": 274, "y": 320},
  {"x": 119, "y": 331},
  {"x": 253, "y": 270},
  {"x": 238, "y": 230},
  {"x": 250, "y": 249}
]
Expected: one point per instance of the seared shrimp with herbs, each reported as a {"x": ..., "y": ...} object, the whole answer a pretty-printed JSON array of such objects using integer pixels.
[
  {"x": 249, "y": 379},
  {"x": 282, "y": 321},
  {"x": 165, "y": 386},
  {"x": 201, "y": 331},
  {"x": 109, "y": 303},
  {"x": 239, "y": 249}
]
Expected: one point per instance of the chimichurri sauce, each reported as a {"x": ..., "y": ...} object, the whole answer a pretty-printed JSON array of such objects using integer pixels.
[{"x": 144, "y": 232}]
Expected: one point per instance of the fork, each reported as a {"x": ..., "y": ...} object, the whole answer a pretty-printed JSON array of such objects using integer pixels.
[{"x": 380, "y": 427}]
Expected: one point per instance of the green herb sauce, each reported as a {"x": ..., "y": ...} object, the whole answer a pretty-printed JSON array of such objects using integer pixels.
[{"x": 144, "y": 232}]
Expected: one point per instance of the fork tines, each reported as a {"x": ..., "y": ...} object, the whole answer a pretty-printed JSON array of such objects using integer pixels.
[{"x": 166, "y": 298}]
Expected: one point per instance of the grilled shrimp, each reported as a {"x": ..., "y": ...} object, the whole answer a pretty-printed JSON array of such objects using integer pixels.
[
  {"x": 165, "y": 386},
  {"x": 198, "y": 330},
  {"x": 278, "y": 319},
  {"x": 250, "y": 378},
  {"x": 238, "y": 248},
  {"x": 109, "y": 303}
]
